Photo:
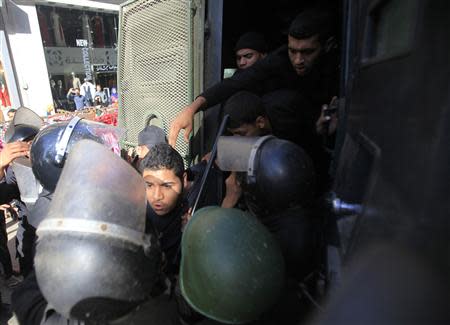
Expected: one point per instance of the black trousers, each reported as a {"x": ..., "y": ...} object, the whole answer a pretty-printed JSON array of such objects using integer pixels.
[{"x": 5, "y": 258}]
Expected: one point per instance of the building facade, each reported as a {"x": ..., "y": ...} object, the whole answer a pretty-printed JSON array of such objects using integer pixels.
[{"x": 49, "y": 47}]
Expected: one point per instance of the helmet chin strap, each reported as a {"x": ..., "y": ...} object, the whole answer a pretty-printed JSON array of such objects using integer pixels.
[
  {"x": 252, "y": 163},
  {"x": 63, "y": 142}
]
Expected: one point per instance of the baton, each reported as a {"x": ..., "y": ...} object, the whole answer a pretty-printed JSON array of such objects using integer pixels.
[
  {"x": 210, "y": 162},
  {"x": 205, "y": 174}
]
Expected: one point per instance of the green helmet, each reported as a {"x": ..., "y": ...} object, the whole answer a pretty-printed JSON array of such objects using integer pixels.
[{"x": 232, "y": 269}]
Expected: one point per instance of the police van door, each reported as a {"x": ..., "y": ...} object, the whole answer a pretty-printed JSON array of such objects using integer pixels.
[
  {"x": 160, "y": 64},
  {"x": 393, "y": 169}
]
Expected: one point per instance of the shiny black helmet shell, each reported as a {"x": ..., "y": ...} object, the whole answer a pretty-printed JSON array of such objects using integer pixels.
[
  {"x": 43, "y": 152},
  {"x": 285, "y": 177}
]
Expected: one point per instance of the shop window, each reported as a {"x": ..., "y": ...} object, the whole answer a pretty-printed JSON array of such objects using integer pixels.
[
  {"x": 390, "y": 29},
  {"x": 79, "y": 44},
  {"x": 62, "y": 27}
]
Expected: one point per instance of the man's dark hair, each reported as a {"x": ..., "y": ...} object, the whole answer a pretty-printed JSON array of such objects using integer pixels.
[
  {"x": 12, "y": 110},
  {"x": 312, "y": 22},
  {"x": 243, "y": 108},
  {"x": 163, "y": 156}
]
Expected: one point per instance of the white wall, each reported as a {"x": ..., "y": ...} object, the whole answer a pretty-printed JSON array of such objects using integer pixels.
[{"x": 26, "y": 48}]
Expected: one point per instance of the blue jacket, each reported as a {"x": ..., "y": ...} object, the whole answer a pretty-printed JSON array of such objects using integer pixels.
[{"x": 80, "y": 101}]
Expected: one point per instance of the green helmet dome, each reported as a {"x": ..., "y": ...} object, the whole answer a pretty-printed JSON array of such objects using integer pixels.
[{"x": 232, "y": 269}]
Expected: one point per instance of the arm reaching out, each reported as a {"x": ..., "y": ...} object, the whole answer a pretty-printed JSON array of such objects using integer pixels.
[{"x": 184, "y": 120}]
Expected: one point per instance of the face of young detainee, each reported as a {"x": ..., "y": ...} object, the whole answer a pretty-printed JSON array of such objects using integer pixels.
[
  {"x": 245, "y": 58},
  {"x": 303, "y": 53},
  {"x": 163, "y": 190}
]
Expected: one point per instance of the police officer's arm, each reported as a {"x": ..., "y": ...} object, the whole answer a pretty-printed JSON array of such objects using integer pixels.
[
  {"x": 248, "y": 79},
  {"x": 10, "y": 152}
]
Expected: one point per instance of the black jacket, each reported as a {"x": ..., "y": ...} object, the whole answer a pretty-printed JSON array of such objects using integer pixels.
[
  {"x": 168, "y": 228},
  {"x": 276, "y": 72},
  {"x": 292, "y": 103}
]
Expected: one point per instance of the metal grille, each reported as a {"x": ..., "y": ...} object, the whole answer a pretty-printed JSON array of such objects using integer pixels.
[{"x": 155, "y": 64}]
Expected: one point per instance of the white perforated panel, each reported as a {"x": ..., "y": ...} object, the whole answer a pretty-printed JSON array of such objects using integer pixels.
[{"x": 155, "y": 63}]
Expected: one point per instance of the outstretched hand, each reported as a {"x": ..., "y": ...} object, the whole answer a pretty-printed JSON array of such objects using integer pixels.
[{"x": 185, "y": 121}]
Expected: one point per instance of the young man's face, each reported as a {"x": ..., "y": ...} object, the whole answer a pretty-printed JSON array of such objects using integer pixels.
[
  {"x": 163, "y": 190},
  {"x": 303, "y": 53},
  {"x": 245, "y": 58}
]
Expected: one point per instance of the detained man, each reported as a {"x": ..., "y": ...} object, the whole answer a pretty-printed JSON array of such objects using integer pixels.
[
  {"x": 250, "y": 48},
  {"x": 295, "y": 81},
  {"x": 163, "y": 171}
]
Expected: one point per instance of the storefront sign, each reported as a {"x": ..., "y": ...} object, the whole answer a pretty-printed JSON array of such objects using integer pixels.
[
  {"x": 86, "y": 63},
  {"x": 65, "y": 60},
  {"x": 82, "y": 42},
  {"x": 105, "y": 68}
]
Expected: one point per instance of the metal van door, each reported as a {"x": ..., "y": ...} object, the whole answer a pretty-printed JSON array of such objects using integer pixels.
[{"x": 160, "y": 63}]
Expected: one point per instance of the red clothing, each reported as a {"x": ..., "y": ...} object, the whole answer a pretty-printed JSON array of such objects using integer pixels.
[
  {"x": 4, "y": 97},
  {"x": 43, "y": 26},
  {"x": 97, "y": 26}
]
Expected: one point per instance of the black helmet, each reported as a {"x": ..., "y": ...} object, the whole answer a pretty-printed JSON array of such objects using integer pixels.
[
  {"x": 279, "y": 174},
  {"x": 51, "y": 145},
  {"x": 94, "y": 260},
  {"x": 24, "y": 126}
]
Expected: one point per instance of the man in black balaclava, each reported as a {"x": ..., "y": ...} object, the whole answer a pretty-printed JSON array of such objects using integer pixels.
[{"x": 250, "y": 48}]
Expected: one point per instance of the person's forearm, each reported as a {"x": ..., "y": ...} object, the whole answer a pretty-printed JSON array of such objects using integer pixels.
[
  {"x": 229, "y": 201},
  {"x": 198, "y": 104}
]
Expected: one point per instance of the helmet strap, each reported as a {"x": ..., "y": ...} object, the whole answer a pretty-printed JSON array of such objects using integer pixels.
[{"x": 63, "y": 142}]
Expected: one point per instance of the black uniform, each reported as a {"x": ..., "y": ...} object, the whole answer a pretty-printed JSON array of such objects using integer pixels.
[
  {"x": 31, "y": 307},
  {"x": 298, "y": 234},
  {"x": 293, "y": 103},
  {"x": 29, "y": 223}
]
